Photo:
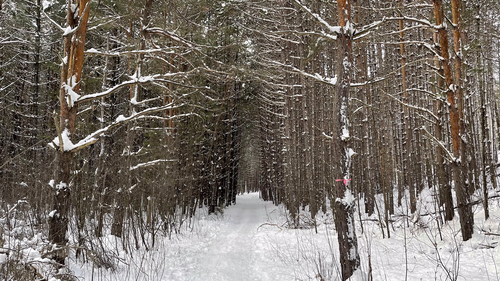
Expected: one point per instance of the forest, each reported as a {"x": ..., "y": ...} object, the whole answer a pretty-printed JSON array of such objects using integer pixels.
[{"x": 136, "y": 120}]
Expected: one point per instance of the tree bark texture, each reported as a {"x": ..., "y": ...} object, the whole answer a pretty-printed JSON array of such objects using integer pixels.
[
  {"x": 453, "y": 94},
  {"x": 344, "y": 201},
  {"x": 74, "y": 46}
]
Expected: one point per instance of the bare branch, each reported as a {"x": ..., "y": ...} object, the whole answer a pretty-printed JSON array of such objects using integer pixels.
[{"x": 450, "y": 157}]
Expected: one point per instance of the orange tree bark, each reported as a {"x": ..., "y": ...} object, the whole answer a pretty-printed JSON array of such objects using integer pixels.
[
  {"x": 462, "y": 190},
  {"x": 455, "y": 100},
  {"x": 445, "y": 196},
  {"x": 74, "y": 46}
]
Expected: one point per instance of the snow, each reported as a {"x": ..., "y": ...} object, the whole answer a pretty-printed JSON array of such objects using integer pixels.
[
  {"x": 327, "y": 136},
  {"x": 316, "y": 76},
  {"x": 71, "y": 95},
  {"x": 151, "y": 163},
  {"x": 349, "y": 28},
  {"x": 332, "y": 29},
  {"x": 348, "y": 198},
  {"x": 120, "y": 118},
  {"x": 47, "y": 3},
  {"x": 93, "y": 137},
  {"x": 31, "y": 253},
  {"x": 61, "y": 186},
  {"x": 345, "y": 134},
  {"x": 345, "y": 122},
  {"x": 453, "y": 87},
  {"x": 346, "y": 64},
  {"x": 235, "y": 246},
  {"x": 52, "y": 213},
  {"x": 67, "y": 144},
  {"x": 3, "y": 258},
  {"x": 251, "y": 241},
  {"x": 350, "y": 153},
  {"x": 68, "y": 30},
  {"x": 331, "y": 80}
]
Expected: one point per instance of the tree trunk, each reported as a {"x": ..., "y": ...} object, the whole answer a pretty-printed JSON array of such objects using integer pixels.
[
  {"x": 344, "y": 201},
  {"x": 483, "y": 124},
  {"x": 454, "y": 97},
  {"x": 463, "y": 190},
  {"x": 445, "y": 196},
  {"x": 408, "y": 133},
  {"x": 492, "y": 152},
  {"x": 74, "y": 46}
]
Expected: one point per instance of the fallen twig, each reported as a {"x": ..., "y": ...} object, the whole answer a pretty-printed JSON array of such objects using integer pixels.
[{"x": 272, "y": 224}]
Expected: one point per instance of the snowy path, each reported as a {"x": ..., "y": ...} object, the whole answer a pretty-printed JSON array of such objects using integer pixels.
[
  {"x": 237, "y": 253},
  {"x": 232, "y": 247},
  {"x": 239, "y": 250}
]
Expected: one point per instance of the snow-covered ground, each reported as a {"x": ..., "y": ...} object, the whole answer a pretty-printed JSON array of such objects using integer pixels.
[
  {"x": 232, "y": 246},
  {"x": 250, "y": 241}
]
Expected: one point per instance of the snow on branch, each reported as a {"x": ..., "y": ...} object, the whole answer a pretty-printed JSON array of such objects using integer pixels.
[
  {"x": 365, "y": 30},
  {"x": 272, "y": 36},
  {"x": 151, "y": 163},
  {"x": 421, "y": 21},
  {"x": 451, "y": 158},
  {"x": 366, "y": 105},
  {"x": 404, "y": 30},
  {"x": 109, "y": 91},
  {"x": 161, "y": 118},
  {"x": 327, "y": 80},
  {"x": 332, "y": 29},
  {"x": 6, "y": 41},
  {"x": 69, "y": 146},
  {"x": 357, "y": 34},
  {"x": 127, "y": 53},
  {"x": 112, "y": 19},
  {"x": 269, "y": 101},
  {"x": 67, "y": 31},
  {"x": 2, "y": 90},
  {"x": 372, "y": 81},
  {"x": 19, "y": 202},
  {"x": 52, "y": 21},
  {"x": 276, "y": 84},
  {"x": 171, "y": 35},
  {"x": 412, "y": 106},
  {"x": 71, "y": 95},
  {"x": 433, "y": 50},
  {"x": 301, "y": 33},
  {"x": 427, "y": 119},
  {"x": 327, "y": 136},
  {"x": 134, "y": 80}
]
